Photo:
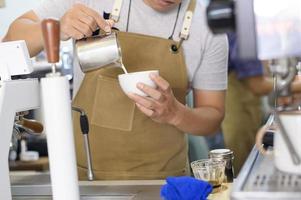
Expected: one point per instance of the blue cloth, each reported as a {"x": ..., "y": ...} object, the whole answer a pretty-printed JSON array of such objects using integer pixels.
[
  {"x": 185, "y": 188},
  {"x": 243, "y": 68}
]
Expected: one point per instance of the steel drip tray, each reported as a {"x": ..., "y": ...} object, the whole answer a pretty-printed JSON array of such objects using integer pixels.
[
  {"x": 37, "y": 186},
  {"x": 259, "y": 180}
]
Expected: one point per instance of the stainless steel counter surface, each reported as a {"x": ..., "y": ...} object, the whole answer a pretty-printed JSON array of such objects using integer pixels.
[
  {"x": 259, "y": 180},
  {"x": 37, "y": 186},
  {"x": 34, "y": 185}
]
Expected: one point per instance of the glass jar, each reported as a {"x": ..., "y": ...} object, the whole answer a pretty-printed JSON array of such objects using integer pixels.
[{"x": 228, "y": 156}]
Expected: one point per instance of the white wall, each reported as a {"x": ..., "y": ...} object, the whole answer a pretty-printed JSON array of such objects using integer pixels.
[{"x": 13, "y": 9}]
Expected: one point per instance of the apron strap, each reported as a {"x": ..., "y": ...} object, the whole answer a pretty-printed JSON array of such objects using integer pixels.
[
  {"x": 184, "y": 34},
  {"x": 115, "y": 14},
  {"x": 187, "y": 20}
]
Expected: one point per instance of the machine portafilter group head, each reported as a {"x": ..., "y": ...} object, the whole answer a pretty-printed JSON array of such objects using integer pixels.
[{"x": 51, "y": 36}]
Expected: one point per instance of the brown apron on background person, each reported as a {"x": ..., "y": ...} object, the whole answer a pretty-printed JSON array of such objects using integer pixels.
[
  {"x": 243, "y": 117},
  {"x": 125, "y": 143}
]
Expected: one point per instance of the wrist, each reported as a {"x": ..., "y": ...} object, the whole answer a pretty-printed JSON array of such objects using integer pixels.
[{"x": 178, "y": 114}]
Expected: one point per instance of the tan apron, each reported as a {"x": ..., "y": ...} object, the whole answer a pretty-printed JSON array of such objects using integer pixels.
[
  {"x": 242, "y": 120},
  {"x": 125, "y": 143}
]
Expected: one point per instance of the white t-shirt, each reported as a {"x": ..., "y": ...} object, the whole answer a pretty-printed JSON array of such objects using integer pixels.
[{"x": 206, "y": 55}]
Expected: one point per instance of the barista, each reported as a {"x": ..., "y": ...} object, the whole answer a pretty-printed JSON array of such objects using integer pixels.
[{"x": 134, "y": 137}]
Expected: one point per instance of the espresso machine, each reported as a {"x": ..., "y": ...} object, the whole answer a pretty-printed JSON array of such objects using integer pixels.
[
  {"x": 15, "y": 96},
  {"x": 268, "y": 30},
  {"x": 52, "y": 95},
  {"x": 272, "y": 170}
]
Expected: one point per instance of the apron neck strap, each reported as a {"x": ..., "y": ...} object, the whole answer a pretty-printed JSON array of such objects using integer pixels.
[
  {"x": 115, "y": 14},
  {"x": 184, "y": 34}
]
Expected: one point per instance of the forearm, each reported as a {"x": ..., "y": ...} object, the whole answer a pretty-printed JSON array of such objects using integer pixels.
[
  {"x": 264, "y": 85},
  {"x": 28, "y": 30},
  {"x": 198, "y": 121},
  {"x": 260, "y": 85},
  {"x": 162, "y": 107}
]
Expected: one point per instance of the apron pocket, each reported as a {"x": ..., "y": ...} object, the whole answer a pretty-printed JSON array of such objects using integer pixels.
[{"x": 112, "y": 108}]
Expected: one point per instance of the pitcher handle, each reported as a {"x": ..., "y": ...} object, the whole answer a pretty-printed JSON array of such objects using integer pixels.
[
  {"x": 259, "y": 139},
  {"x": 262, "y": 131}
]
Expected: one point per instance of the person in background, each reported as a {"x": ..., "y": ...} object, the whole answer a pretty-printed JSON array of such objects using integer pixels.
[
  {"x": 135, "y": 137},
  {"x": 243, "y": 115}
]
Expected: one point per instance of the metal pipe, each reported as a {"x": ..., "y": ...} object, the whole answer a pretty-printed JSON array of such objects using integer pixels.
[
  {"x": 88, "y": 155},
  {"x": 53, "y": 68},
  {"x": 84, "y": 124}
]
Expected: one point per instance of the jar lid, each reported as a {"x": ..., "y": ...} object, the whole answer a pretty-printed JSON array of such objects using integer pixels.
[{"x": 221, "y": 153}]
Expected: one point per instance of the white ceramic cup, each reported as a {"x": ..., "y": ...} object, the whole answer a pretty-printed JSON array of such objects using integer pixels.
[
  {"x": 291, "y": 122},
  {"x": 128, "y": 82}
]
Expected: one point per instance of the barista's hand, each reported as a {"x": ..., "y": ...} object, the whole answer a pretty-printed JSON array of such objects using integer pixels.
[
  {"x": 295, "y": 98},
  {"x": 296, "y": 90},
  {"x": 161, "y": 105},
  {"x": 81, "y": 21}
]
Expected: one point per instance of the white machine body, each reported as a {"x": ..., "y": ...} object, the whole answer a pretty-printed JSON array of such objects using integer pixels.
[
  {"x": 24, "y": 94},
  {"x": 15, "y": 56},
  {"x": 283, "y": 159},
  {"x": 15, "y": 96}
]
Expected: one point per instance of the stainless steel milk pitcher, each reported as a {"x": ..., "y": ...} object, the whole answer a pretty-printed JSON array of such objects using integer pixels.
[{"x": 97, "y": 51}]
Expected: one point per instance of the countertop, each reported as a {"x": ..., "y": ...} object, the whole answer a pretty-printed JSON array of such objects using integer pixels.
[
  {"x": 34, "y": 185},
  {"x": 42, "y": 164},
  {"x": 260, "y": 179},
  {"x": 222, "y": 194}
]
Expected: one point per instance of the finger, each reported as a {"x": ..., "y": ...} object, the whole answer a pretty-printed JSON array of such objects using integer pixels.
[
  {"x": 145, "y": 102},
  {"x": 110, "y": 22},
  {"x": 155, "y": 94},
  {"x": 284, "y": 101},
  {"x": 74, "y": 33},
  {"x": 82, "y": 28},
  {"x": 160, "y": 82},
  {"x": 99, "y": 20},
  {"x": 88, "y": 20},
  {"x": 146, "y": 111}
]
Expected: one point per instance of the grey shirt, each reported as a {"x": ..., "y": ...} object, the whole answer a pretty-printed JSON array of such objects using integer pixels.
[{"x": 206, "y": 56}]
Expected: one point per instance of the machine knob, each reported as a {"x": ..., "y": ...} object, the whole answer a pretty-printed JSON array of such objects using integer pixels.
[
  {"x": 221, "y": 16},
  {"x": 51, "y": 36}
]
